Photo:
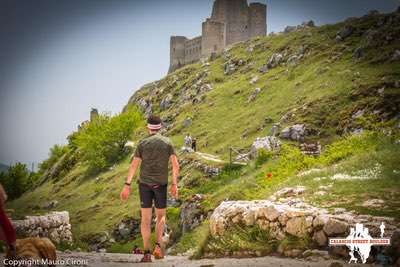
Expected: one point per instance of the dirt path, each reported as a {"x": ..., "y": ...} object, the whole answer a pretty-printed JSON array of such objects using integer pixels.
[
  {"x": 215, "y": 158},
  {"x": 126, "y": 260}
]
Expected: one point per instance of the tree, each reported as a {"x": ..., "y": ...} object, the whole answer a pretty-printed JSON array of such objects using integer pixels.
[
  {"x": 102, "y": 140},
  {"x": 17, "y": 180}
]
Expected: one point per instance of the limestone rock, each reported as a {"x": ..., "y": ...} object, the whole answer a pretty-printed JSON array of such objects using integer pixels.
[
  {"x": 335, "y": 227},
  {"x": 275, "y": 60},
  {"x": 358, "y": 53},
  {"x": 296, "y": 226},
  {"x": 269, "y": 143},
  {"x": 320, "y": 238},
  {"x": 344, "y": 33},
  {"x": 396, "y": 55},
  {"x": 295, "y": 132},
  {"x": 254, "y": 94}
]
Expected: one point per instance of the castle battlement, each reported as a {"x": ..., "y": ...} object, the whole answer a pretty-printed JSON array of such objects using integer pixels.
[{"x": 231, "y": 21}]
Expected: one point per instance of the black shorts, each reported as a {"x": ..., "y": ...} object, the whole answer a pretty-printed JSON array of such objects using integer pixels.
[{"x": 149, "y": 192}]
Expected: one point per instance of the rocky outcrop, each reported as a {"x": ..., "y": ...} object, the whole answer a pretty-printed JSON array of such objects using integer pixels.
[
  {"x": 127, "y": 229},
  {"x": 191, "y": 214},
  {"x": 295, "y": 132},
  {"x": 304, "y": 25},
  {"x": 344, "y": 33},
  {"x": 54, "y": 225},
  {"x": 269, "y": 143}
]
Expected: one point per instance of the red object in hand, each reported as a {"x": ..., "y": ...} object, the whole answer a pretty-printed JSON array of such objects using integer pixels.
[{"x": 125, "y": 193}]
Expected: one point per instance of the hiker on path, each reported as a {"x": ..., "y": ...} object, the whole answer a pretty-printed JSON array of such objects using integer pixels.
[
  {"x": 188, "y": 140},
  {"x": 7, "y": 231},
  {"x": 194, "y": 144},
  {"x": 153, "y": 154}
]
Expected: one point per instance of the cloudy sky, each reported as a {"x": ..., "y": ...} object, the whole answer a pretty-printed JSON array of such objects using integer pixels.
[{"x": 60, "y": 58}]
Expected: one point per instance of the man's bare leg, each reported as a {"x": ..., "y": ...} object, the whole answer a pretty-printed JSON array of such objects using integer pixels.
[
  {"x": 145, "y": 227},
  {"x": 160, "y": 215}
]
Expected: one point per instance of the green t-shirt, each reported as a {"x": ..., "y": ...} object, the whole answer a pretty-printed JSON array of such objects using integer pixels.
[{"x": 154, "y": 151}]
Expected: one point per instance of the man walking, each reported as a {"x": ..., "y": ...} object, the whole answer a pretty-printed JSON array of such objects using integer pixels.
[{"x": 153, "y": 154}]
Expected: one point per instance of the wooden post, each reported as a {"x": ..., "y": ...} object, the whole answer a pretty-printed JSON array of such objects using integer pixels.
[{"x": 230, "y": 157}]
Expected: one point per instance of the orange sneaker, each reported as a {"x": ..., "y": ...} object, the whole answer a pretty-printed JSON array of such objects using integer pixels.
[{"x": 157, "y": 253}]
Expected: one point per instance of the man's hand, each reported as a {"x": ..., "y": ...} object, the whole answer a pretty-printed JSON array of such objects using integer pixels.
[
  {"x": 125, "y": 192},
  {"x": 174, "y": 191}
]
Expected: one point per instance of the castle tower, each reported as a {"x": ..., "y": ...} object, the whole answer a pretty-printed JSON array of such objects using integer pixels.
[
  {"x": 94, "y": 114},
  {"x": 213, "y": 37},
  {"x": 258, "y": 19},
  {"x": 235, "y": 15},
  {"x": 177, "y": 52}
]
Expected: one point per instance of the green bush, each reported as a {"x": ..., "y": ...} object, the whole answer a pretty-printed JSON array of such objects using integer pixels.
[
  {"x": 263, "y": 156},
  {"x": 102, "y": 141}
]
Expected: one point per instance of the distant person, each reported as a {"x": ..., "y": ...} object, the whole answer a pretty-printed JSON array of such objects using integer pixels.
[
  {"x": 194, "y": 144},
  {"x": 7, "y": 231},
  {"x": 188, "y": 140},
  {"x": 153, "y": 154}
]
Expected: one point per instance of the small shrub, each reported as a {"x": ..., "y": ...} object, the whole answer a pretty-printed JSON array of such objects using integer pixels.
[{"x": 263, "y": 156}]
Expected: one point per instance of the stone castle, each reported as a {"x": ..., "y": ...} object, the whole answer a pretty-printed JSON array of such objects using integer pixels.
[{"x": 231, "y": 21}]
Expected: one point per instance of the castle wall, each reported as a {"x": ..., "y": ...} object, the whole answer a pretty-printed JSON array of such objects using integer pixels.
[
  {"x": 177, "y": 52},
  {"x": 258, "y": 19},
  {"x": 193, "y": 50},
  {"x": 213, "y": 37}
]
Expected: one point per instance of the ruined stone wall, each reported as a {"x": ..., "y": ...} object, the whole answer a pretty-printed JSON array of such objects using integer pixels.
[
  {"x": 213, "y": 38},
  {"x": 177, "y": 52},
  {"x": 257, "y": 19},
  {"x": 55, "y": 226},
  {"x": 193, "y": 50}
]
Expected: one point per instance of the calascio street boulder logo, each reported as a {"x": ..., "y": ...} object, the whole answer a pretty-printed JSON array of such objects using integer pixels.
[{"x": 359, "y": 241}]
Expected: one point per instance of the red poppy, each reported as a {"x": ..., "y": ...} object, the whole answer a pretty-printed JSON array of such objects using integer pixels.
[{"x": 268, "y": 175}]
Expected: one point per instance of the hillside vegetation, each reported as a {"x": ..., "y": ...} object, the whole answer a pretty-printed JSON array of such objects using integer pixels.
[{"x": 341, "y": 81}]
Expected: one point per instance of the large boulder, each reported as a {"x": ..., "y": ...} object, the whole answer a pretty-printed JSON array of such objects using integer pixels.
[
  {"x": 295, "y": 132},
  {"x": 275, "y": 60},
  {"x": 269, "y": 143},
  {"x": 344, "y": 33}
]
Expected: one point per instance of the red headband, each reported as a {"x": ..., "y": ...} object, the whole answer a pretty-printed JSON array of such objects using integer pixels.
[{"x": 154, "y": 126}]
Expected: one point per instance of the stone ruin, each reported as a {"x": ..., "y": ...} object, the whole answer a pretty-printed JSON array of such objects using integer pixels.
[
  {"x": 55, "y": 226},
  {"x": 231, "y": 21},
  {"x": 285, "y": 215}
]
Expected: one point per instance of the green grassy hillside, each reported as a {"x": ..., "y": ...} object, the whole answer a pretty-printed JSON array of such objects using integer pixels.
[{"x": 337, "y": 88}]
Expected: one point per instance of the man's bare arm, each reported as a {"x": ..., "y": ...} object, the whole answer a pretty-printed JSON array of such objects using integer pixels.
[
  {"x": 175, "y": 168},
  {"x": 132, "y": 169}
]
